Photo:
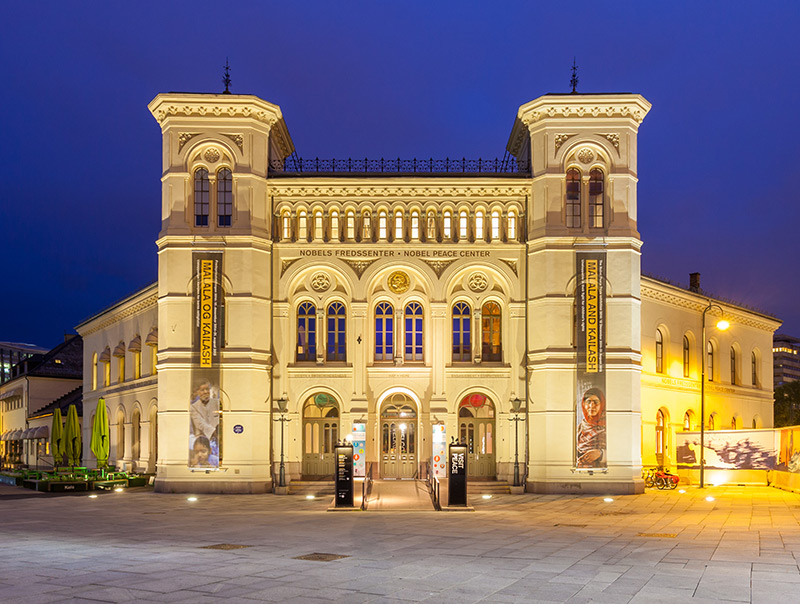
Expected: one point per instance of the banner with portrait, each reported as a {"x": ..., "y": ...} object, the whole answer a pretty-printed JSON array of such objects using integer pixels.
[
  {"x": 590, "y": 332},
  {"x": 205, "y": 427}
]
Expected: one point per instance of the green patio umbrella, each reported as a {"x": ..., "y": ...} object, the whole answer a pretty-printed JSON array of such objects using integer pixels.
[
  {"x": 100, "y": 444},
  {"x": 72, "y": 436},
  {"x": 57, "y": 438}
]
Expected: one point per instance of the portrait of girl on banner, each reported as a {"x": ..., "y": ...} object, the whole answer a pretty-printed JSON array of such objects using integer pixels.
[
  {"x": 591, "y": 435},
  {"x": 204, "y": 431}
]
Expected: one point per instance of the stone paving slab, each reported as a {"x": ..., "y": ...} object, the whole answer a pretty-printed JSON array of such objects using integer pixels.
[{"x": 139, "y": 546}]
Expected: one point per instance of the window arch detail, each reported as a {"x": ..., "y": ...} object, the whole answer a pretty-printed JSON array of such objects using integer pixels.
[
  {"x": 462, "y": 333},
  {"x": 337, "y": 333},
  {"x": 384, "y": 332},
  {"x": 306, "y": 332},
  {"x": 491, "y": 349},
  {"x": 413, "y": 332}
]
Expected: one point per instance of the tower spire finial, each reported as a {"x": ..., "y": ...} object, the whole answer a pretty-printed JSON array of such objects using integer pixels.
[
  {"x": 573, "y": 81},
  {"x": 226, "y": 77}
]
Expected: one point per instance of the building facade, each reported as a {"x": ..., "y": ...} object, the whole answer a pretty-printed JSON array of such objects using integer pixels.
[
  {"x": 407, "y": 304},
  {"x": 786, "y": 359}
]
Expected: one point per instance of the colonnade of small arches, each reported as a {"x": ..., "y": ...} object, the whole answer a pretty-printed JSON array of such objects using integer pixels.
[
  {"x": 134, "y": 437},
  {"x": 440, "y": 224},
  {"x": 112, "y": 366}
]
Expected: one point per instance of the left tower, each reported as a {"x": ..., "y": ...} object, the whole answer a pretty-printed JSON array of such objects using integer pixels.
[{"x": 215, "y": 291}]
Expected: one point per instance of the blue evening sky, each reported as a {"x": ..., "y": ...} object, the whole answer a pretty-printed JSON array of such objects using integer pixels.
[{"x": 80, "y": 154}]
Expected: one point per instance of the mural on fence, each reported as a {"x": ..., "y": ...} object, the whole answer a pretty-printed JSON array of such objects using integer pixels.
[
  {"x": 729, "y": 449},
  {"x": 788, "y": 450}
]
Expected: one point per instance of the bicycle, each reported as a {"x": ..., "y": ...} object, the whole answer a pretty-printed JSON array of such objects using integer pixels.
[
  {"x": 649, "y": 476},
  {"x": 665, "y": 480}
]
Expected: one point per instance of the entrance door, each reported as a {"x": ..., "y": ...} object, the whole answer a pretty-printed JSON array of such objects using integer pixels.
[
  {"x": 398, "y": 438},
  {"x": 320, "y": 435},
  {"x": 476, "y": 430}
]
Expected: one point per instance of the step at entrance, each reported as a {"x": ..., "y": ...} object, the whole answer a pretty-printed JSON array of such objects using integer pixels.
[
  {"x": 318, "y": 488},
  {"x": 398, "y": 495},
  {"x": 487, "y": 487}
]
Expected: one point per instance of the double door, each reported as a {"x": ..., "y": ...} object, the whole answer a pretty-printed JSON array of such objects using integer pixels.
[
  {"x": 478, "y": 435},
  {"x": 321, "y": 436},
  {"x": 398, "y": 448}
]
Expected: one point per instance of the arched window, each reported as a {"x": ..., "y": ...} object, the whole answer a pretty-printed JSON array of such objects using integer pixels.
[
  {"x": 463, "y": 226},
  {"x": 596, "y": 198},
  {"x": 686, "y": 356},
  {"x": 711, "y": 422},
  {"x": 710, "y": 357},
  {"x": 495, "y": 232},
  {"x": 447, "y": 227},
  {"x": 351, "y": 226},
  {"x": 286, "y": 227},
  {"x": 202, "y": 192},
  {"x": 384, "y": 332},
  {"x": 511, "y": 232},
  {"x": 413, "y": 317},
  {"x": 479, "y": 225},
  {"x": 382, "y": 226},
  {"x": 334, "y": 225},
  {"x": 734, "y": 423},
  {"x": 573, "y": 205},
  {"x": 660, "y": 440},
  {"x": 302, "y": 226},
  {"x": 318, "y": 226},
  {"x": 415, "y": 226},
  {"x": 462, "y": 333},
  {"x": 336, "y": 332},
  {"x": 490, "y": 332},
  {"x": 306, "y": 332},
  {"x": 734, "y": 373},
  {"x": 224, "y": 197},
  {"x": 754, "y": 369},
  {"x": 366, "y": 227},
  {"x": 659, "y": 352},
  {"x": 687, "y": 421},
  {"x": 398, "y": 226},
  {"x": 430, "y": 235}
]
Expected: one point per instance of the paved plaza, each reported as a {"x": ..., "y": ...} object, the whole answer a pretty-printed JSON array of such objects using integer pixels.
[{"x": 656, "y": 547}]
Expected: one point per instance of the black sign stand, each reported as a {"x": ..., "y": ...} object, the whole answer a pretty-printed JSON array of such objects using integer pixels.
[
  {"x": 344, "y": 476},
  {"x": 457, "y": 474}
]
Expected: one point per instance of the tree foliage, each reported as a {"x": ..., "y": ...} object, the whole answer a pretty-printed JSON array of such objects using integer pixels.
[{"x": 787, "y": 404}]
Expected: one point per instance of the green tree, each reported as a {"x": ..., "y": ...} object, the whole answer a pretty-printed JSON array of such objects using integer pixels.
[{"x": 787, "y": 405}]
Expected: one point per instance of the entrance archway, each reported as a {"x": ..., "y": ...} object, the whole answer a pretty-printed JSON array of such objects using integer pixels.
[
  {"x": 320, "y": 435},
  {"x": 476, "y": 428},
  {"x": 398, "y": 437}
]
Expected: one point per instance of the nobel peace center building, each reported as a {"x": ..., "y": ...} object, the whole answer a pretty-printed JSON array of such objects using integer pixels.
[{"x": 401, "y": 304}]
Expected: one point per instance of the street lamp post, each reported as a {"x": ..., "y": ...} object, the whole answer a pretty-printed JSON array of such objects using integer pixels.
[
  {"x": 722, "y": 325},
  {"x": 282, "y": 405},
  {"x": 516, "y": 405}
]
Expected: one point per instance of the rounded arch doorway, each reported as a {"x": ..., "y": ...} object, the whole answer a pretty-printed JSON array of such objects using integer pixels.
[
  {"x": 398, "y": 437},
  {"x": 320, "y": 435},
  {"x": 476, "y": 429}
]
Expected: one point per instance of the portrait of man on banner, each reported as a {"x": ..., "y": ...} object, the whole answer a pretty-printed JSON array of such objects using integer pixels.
[{"x": 204, "y": 432}]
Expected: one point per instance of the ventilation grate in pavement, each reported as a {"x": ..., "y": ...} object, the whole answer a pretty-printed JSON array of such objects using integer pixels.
[
  {"x": 317, "y": 557},
  {"x": 225, "y": 546},
  {"x": 658, "y": 535}
]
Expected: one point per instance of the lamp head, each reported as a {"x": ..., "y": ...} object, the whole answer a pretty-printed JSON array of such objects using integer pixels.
[
  {"x": 723, "y": 324},
  {"x": 282, "y": 404},
  {"x": 516, "y": 404}
]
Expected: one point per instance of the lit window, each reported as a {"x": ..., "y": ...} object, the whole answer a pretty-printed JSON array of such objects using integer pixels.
[
  {"x": 754, "y": 369},
  {"x": 710, "y": 357},
  {"x": 306, "y": 332},
  {"x": 659, "y": 352},
  {"x": 687, "y": 421},
  {"x": 462, "y": 225},
  {"x": 107, "y": 373},
  {"x": 382, "y": 226},
  {"x": 448, "y": 225},
  {"x": 334, "y": 225},
  {"x": 201, "y": 197},
  {"x": 351, "y": 226},
  {"x": 384, "y": 332},
  {"x": 415, "y": 225},
  {"x": 685, "y": 356},
  {"x": 490, "y": 332},
  {"x": 711, "y": 422},
  {"x": 398, "y": 226},
  {"x": 336, "y": 332},
  {"x": 286, "y": 227},
  {"x": 224, "y": 197},
  {"x": 366, "y": 227},
  {"x": 302, "y": 225},
  {"x": 137, "y": 365},
  {"x": 596, "y": 198},
  {"x": 512, "y": 226},
  {"x": 479, "y": 225},
  {"x": 495, "y": 226},
  {"x": 413, "y": 319},
  {"x": 94, "y": 371},
  {"x": 318, "y": 226},
  {"x": 660, "y": 440},
  {"x": 734, "y": 373},
  {"x": 573, "y": 205},
  {"x": 462, "y": 340}
]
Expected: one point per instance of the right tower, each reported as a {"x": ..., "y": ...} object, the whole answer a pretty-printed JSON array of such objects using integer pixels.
[{"x": 582, "y": 292}]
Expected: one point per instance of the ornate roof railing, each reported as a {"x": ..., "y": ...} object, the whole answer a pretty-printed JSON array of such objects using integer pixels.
[{"x": 296, "y": 166}]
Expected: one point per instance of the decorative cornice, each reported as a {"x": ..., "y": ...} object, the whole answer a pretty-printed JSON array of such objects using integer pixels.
[
  {"x": 631, "y": 111},
  {"x": 305, "y": 191},
  {"x": 603, "y": 106},
  {"x": 118, "y": 315},
  {"x": 214, "y": 105},
  {"x": 216, "y": 110}
]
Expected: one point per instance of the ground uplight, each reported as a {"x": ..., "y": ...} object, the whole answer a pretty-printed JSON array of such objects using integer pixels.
[
  {"x": 487, "y": 496},
  {"x": 682, "y": 491},
  {"x": 93, "y": 496},
  {"x": 608, "y": 499},
  {"x": 309, "y": 497},
  {"x": 709, "y": 498},
  {"x": 118, "y": 490},
  {"x": 191, "y": 499}
]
